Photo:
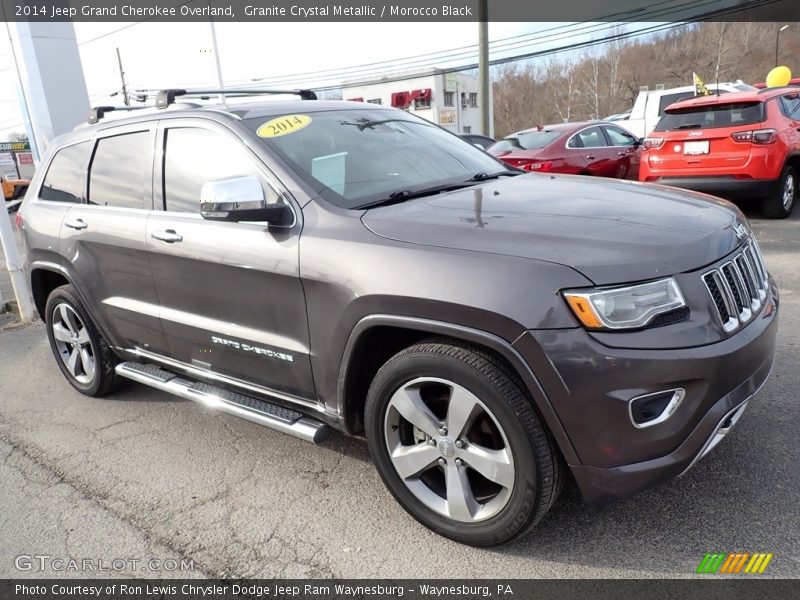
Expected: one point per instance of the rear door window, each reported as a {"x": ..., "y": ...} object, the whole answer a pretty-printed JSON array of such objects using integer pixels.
[
  {"x": 790, "y": 105},
  {"x": 64, "y": 179},
  {"x": 713, "y": 115},
  {"x": 121, "y": 171},
  {"x": 588, "y": 138},
  {"x": 668, "y": 99}
]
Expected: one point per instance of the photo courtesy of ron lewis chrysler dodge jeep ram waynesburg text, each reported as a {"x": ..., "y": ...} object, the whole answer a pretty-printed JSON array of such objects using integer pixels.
[{"x": 310, "y": 265}]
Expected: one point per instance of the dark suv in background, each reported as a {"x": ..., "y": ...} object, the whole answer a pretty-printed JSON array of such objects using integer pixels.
[{"x": 307, "y": 265}]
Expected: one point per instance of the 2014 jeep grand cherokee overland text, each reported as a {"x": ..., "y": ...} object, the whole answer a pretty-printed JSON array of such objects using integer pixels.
[{"x": 310, "y": 265}]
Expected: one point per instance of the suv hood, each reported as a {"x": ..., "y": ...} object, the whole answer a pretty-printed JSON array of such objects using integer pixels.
[{"x": 610, "y": 231}]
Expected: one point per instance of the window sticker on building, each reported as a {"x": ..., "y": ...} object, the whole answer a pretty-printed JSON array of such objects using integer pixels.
[{"x": 283, "y": 126}]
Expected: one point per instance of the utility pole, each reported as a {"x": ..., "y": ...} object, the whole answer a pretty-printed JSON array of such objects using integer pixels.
[
  {"x": 483, "y": 64},
  {"x": 122, "y": 77},
  {"x": 777, "y": 41},
  {"x": 217, "y": 62}
]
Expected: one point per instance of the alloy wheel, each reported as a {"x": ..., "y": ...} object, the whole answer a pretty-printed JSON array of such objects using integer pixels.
[
  {"x": 73, "y": 343},
  {"x": 788, "y": 192},
  {"x": 449, "y": 449}
]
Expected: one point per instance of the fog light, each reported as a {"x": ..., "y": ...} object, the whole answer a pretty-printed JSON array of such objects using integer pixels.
[{"x": 652, "y": 409}]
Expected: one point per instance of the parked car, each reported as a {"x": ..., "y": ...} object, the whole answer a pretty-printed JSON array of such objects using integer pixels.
[
  {"x": 14, "y": 189},
  {"x": 591, "y": 148},
  {"x": 309, "y": 265},
  {"x": 483, "y": 141},
  {"x": 650, "y": 104},
  {"x": 740, "y": 146}
]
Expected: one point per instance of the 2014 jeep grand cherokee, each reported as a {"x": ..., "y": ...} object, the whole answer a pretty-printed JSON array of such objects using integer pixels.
[{"x": 309, "y": 264}]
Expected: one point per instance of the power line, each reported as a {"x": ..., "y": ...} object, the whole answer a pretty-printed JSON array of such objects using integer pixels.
[
  {"x": 452, "y": 54},
  {"x": 307, "y": 79},
  {"x": 537, "y": 54},
  {"x": 124, "y": 27}
]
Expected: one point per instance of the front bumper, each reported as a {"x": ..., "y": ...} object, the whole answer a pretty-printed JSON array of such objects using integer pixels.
[
  {"x": 590, "y": 385},
  {"x": 724, "y": 186}
]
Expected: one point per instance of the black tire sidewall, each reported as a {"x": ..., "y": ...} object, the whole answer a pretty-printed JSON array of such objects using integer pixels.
[
  {"x": 773, "y": 206},
  {"x": 520, "y": 508},
  {"x": 65, "y": 295}
]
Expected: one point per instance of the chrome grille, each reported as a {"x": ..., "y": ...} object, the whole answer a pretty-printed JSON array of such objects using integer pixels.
[{"x": 738, "y": 287}]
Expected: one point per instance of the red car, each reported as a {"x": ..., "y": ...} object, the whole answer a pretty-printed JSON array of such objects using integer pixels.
[
  {"x": 593, "y": 148},
  {"x": 740, "y": 146}
]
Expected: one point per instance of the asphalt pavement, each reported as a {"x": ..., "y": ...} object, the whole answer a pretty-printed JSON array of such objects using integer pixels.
[{"x": 142, "y": 475}]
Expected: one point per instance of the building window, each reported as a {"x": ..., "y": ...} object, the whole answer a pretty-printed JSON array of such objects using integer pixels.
[
  {"x": 422, "y": 103},
  {"x": 473, "y": 99},
  {"x": 467, "y": 129},
  {"x": 449, "y": 98},
  {"x": 463, "y": 100},
  {"x": 375, "y": 101}
]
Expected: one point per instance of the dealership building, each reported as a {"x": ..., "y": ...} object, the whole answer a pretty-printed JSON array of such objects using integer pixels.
[{"x": 451, "y": 100}]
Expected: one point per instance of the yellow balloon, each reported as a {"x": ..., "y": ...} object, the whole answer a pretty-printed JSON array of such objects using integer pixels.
[{"x": 778, "y": 77}]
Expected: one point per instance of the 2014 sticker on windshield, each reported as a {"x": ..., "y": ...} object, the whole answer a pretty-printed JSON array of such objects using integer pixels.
[{"x": 283, "y": 126}]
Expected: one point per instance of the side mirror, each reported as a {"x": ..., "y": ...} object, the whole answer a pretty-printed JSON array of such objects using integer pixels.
[{"x": 242, "y": 199}]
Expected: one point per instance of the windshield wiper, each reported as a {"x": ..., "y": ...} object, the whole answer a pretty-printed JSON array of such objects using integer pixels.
[
  {"x": 488, "y": 176},
  {"x": 403, "y": 195},
  {"x": 689, "y": 126},
  {"x": 371, "y": 124}
]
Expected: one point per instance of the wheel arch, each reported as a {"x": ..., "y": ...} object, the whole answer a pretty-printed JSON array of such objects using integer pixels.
[
  {"x": 44, "y": 279},
  {"x": 793, "y": 160},
  {"x": 376, "y": 338}
]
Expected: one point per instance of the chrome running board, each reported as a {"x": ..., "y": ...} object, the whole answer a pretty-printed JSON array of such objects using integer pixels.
[{"x": 258, "y": 411}]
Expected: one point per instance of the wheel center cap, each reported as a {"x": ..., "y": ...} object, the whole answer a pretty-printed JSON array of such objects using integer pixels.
[{"x": 446, "y": 448}]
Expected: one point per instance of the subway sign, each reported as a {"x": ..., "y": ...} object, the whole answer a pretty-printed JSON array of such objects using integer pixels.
[{"x": 15, "y": 147}]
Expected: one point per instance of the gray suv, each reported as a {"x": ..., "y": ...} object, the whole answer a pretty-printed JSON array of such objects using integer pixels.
[{"x": 310, "y": 265}]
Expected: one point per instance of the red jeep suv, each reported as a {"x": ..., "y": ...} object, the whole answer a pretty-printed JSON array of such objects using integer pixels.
[{"x": 739, "y": 145}]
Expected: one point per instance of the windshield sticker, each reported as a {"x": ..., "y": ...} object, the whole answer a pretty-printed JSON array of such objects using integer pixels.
[{"x": 283, "y": 126}]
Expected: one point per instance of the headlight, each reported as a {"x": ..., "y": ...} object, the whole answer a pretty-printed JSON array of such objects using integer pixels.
[{"x": 625, "y": 307}]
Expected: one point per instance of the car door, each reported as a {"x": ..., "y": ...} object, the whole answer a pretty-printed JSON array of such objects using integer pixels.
[
  {"x": 232, "y": 303},
  {"x": 103, "y": 238},
  {"x": 591, "y": 145},
  {"x": 627, "y": 151}
]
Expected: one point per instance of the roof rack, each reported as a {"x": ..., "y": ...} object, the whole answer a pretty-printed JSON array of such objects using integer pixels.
[
  {"x": 98, "y": 112},
  {"x": 167, "y": 97}
]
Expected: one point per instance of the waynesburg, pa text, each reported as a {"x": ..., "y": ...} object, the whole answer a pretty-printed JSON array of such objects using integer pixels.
[{"x": 213, "y": 590}]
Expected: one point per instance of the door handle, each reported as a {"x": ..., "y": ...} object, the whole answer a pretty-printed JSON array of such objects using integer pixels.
[
  {"x": 590, "y": 156},
  {"x": 168, "y": 235},
  {"x": 76, "y": 224}
]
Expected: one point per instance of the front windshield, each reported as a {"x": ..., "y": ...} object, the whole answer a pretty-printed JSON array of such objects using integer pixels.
[{"x": 356, "y": 157}]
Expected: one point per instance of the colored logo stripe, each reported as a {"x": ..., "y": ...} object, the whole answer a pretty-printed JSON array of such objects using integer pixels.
[{"x": 734, "y": 562}]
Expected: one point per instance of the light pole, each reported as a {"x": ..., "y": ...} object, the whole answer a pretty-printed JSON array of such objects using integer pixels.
[{"x": 777, "y": 40}]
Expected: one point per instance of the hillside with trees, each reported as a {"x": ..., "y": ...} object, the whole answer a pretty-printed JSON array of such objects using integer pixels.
[{"x": 605, "y": 79}]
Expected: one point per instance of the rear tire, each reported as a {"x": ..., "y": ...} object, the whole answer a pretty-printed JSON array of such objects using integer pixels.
[
  {"x": 472, "y": 461},
  {"x": 781, "y": 204},
  {"x": 80, "y": 351}
]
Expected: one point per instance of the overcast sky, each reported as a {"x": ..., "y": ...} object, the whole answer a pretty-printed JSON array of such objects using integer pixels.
[
  {"x": 157, "y": 55},
  {"x": 179, "y": 54}
]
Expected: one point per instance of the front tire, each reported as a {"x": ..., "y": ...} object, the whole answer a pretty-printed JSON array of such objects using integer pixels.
[
  {"x": 459, "y": 445},
  {"x": 82, "y": 354},
  {"x": 781, "y": 204}
]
